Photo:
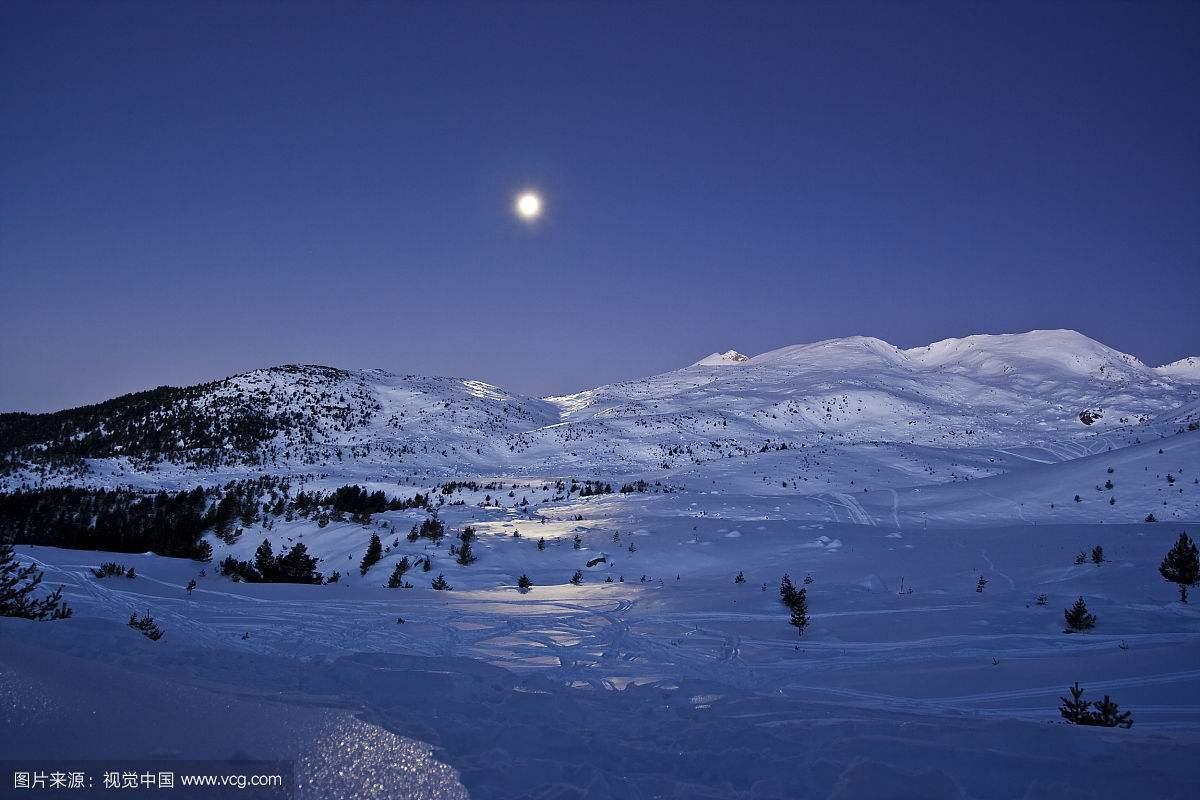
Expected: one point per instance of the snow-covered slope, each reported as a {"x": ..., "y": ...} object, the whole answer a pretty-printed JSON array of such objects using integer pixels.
[
  {"x": 981, "y": 391},
  {"x": 932, "y": 502},
  {"x": 1185, "y": 369},
  {"x": 720, "y": 359}
]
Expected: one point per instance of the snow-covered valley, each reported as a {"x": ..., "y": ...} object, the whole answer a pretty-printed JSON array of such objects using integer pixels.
[{"x": 894, "y": 479}]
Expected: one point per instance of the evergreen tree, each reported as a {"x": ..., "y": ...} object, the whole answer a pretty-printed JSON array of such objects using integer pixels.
[
  {"x": 1078, "y": 618},
  {"x": 787, "y": 590},
  {"x": 297, "y": 566},
  {"x": 799, "y": 609},
  {"x": 203, "y": 551},
  {"x": 577, "y": 578},
  {"x": 1076, "y": 710},
  {"x": 1103, "y": 713},
  {"x": 17, "y": 583},
  {"x": 524, "y": 584},
  {"x": 397, "y": 578},
  {"x": 1097, "y": 555},
  {"x": 466, "y": 555},
  {"x": 1182, "y": 565},
  {"x": 264, "y": 559},
  {"x": 372, "y": 556},
  {"x": 739, "y": 578},
  {"x": 1108, "y": 715},
  {"x": 440, "y": 583},
  {"x": 146, "y": 625}
]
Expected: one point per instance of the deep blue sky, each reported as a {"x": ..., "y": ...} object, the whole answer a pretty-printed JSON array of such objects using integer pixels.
[{"x": 191, "y": 190}]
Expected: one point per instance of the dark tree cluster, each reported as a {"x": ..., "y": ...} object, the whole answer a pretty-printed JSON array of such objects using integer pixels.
[
  {"x": 293, "y": 566},
  {"x": 355, "y": 499},
  {"x": 432, "y": 528},
  {"x": 171, "y": 523},
  {"x": 119, "y": 520},
  {"x": 590, "y": 488}
]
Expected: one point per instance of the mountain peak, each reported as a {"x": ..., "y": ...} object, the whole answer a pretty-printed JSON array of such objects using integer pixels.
[
  {"x": 722, "y": 359},
  {"x": 1187, "y": 368}
]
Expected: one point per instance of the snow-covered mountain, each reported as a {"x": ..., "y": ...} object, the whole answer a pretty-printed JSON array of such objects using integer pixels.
[
  {"x": 894, "y": 485},
  {"x": 980, "y": 391},
  {"x": 1056, "y": 389}
]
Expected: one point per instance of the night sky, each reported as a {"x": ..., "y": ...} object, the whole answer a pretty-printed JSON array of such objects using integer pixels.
[{"x": 192, "y": 190}]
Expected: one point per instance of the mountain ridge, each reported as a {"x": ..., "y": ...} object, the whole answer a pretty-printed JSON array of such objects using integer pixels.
[{"x": 983, "y": 391}]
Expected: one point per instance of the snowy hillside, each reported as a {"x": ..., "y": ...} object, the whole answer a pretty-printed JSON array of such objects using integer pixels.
[
  {"x": 431, "y": 587},
  {"x": 983, "y": 391},
  {"x": 284, "y": 418}
]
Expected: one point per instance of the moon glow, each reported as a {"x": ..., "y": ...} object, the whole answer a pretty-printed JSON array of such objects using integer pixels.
[{"x": 529, "y": 206}]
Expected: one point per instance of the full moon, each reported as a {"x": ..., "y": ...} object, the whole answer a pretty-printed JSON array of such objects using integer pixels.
[{"x": 529, "y": 205}]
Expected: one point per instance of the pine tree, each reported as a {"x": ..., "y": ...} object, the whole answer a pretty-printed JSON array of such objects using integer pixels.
[
  {"x": 524, "y": 584},
  {"x": 1097, "y": 555},
  {"x": 146, "y": 625},
  {"x": 440, "y": 583},
  {"x": 1182, "y": 565},
  {"x": 466, "y": 555},
  {"x": 264, "y": 560},
  {"x": 396, "y": 580},
  {"x": 1076, "y": 710},
  {"x": 297, "y": 566},
  {"x": 739, "y": 578},
  {"x": 1078, "y": 618},
  {"x": 577, "y": 578},
  {"x": 787, "y": 590},
  {"x": 203, "y": 551},
  {"x": 1102, "y": 713},
  {"x": 372, "y": 556},
  {"x": 17, "y": 583},
  {"x": 1108, "y": 715},
  {"x": 799, "y": 609}
]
